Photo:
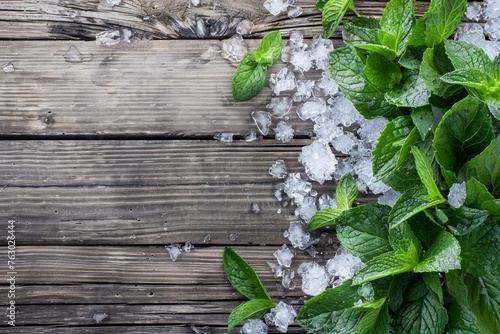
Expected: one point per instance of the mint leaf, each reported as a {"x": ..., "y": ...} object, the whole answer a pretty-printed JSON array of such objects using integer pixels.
[
  {"x": 251, "y": 309},
  {"x": 424, "y": 170},
  {"x": 375, "y": 321},
  {"x": 461, "y": 320},
  {"x": 411, "y": 93},
  {"x": 361, "y": 30},
  {"x": 472, "y": 78},
  {"x": 405, "y": 243},
  {"x": 432, "y": 75},
  {"x": 484, "y": 301},
  {"x": 410, "y": 203},
  {"x": 398, "y": 285},
  {"x": 420, "y": 313},
  {"x": 476, "y": 194},
  {"x": 242, "y": 277},
  {"x": 443, "y": 255},
  {"x": 464, "y": 131},
  {"x": 412, "y": 57},
  {"x": 464, "y": 55},
  {"x": 333, "y": 12},
  {"x": 347, "y": 69},
  {"x": 493, "y": 208},
  {"x": 346, "y": 192},
  {"x": 381, "y": 71},
  {"x": 433, "y": 283},
  {"x": 425, "y": 228},
  {"x": 320, "y": 4},
  {"x": 423, "y": 119},
  {"x": 248, "y": 79},
  {"x": 269, "y": 50},
  {"x": 463, "y": 220},
  {"x": 485, "y": 167},
  {"x": 386, "y": 264},
  {"x": 396, "y": 24},
  {"x": 322, "y": 218},
  {"x": 363, "y": 230}
]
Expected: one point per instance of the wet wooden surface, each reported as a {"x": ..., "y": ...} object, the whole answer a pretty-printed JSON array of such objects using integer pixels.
[{"x": 107, "y": 160}]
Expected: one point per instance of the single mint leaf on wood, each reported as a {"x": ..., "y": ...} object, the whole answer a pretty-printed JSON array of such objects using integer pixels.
[
  {"x": 485, "y": 167},
  {"x": 383, "y": 265},
  {"x": 464, "y": 131},
  {"x": 396, "y": 24},
  {"x": 363, "y": 230},
  {"x": 464, "y": 220},
  {"x": 269, "y": 50},
  {"x": 464, "y": 56},
  {"x": 412, "y": 92},
  {"x": 248, "y": 79},
  {"x": 322, "y": 218},
  {"x": 251, "y": 309},
  {"x": 242, "y": 277},
  {"x": 484, "y": 301},
  {"x": 346, "y": 192},
  {"x": 381, "y": 71},
  {"x": 443, "y": 255},
  {"x": 332, "y": 13}
]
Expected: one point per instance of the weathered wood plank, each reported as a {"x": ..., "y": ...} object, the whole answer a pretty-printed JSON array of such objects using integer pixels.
[{"x": 139, "y": 265}]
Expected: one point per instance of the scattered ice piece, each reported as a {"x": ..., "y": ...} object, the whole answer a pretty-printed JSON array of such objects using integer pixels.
[
  {"x": 276, "y": 7},
  {"x": 320, "y": 47},
  {"x": 207, "y": 238},
  {"x": 280, "y": 106},
  {"x": 285, "y": 273},
  {"x": 306, "y": 208},
  {"x": 311, "y": 109},
  {"x": 474, "y": 11},
  {"x": 234, "y": 48},
  {"x": 296, "y": 41},
  {"x": 312, "y": 251},
  {"x": 196, "y": 330},
  {"x": 108, "y": 38},
  {"x": 492, "y": 28},
  {"x": 491, "y": 8},
  {"x": 254, "y": 326},
  {"x": 279, "y": 195},
  {"x": 283, "y": 132},
  {"x": 296, "y": 188},
  {"x": 233, "y": 236},
  {"x": 326, "y": 129},
  {"x": 99, "y": 317},
  {"x": 174, "y": 250},
  {"x": 302, "y": 60},
  {"x": 284, "y": 256},
  {"x": 370, "y": 129},
  {"x": 345, "y": 142},
  {"x": 224, "y": 137},
  {"x": 319, "y": 161},
  {"x": 187, "y": 247},
  {"x": 304, "y": 90},
  {"x": 457, "y": 194},
  {"x": 344, "y": 112},
  {"x": 8, "y": 68},
  {"x": 209, "y": 54},
  {"x": 343, "y": 266},
  {"x": 281, "y": 316},
  {"x": 245, "y": 27},
  {"x": 251, "y": 136},
  {"x": 255, "y": 208},
  {"x": 389, "y": 197},
  {"x": 297, "y": 235},
  {"x": 473, "y": 33},
  {"x": 365, "y": 291},
  {"x": 263, "y": 121},
  {"x": 114, "y": 2},
  {"x": 278, "y": 169},
  {"x": 315, "y": 278},
  {"x": 327, "y": 84},
  {"x": 282, "y": 81},
  {"x": 195, "y": 3},
  {"x": 294, "y": 11},
  {"x": 326, "y": 202}
]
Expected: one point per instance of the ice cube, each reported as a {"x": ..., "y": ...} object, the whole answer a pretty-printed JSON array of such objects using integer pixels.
[
  {"x": 474, "y": 11},
  {"x": 283, "y": 132},
  {"x": 73, "y": 55},
  {"x": 294, "y": 11},
  {"x": 326, "y": 202},
  {"x": 276, "y": 7},
  {"x": 327, "y": 84},
  {"x": 245, "y": 27},
  {"x": 114, "y": 2},
  {"x": 492, "y": 28},
  {"x": 281, "y": 316},
  {"x": 320, "y": 47},
  {"x": 255, "y": 208},
  {"x": 278, "y": 169},
  {"x": 311, "y": 109},
  {"x": 473, "y": 33},
  {"x": 315, "y": 278},
  {"x": 344, "y": 111},
  {"x": 285, "y": 273},
  {"x": 280, "y": 106},
  {"x": 457, "y": 194},
  {"x": 251, "y": 136},
  {"x": 195, "y": 3},
  {"x": 254, "y": 326},
  {"x": 284, "y": 256},
  {"x": 284, "y": 80},
  {"x": 389, "y": 197},
  {"x": 319, "y": 161},
  {"x": 302, "y": 59},
  {"x": 370, "y": 129},
  {"x": 306, "y": 208},
  {"x": 344, "y": 142},
  {"x": 8, "y": 68},
  {"x": 234, "y": 48},
  {"x": 304, "y": 90},
  {"x": 207, "y": 238},
  {"x": 296, "y": 41},
  {"x": 224, "y": 137},
  {"x": 174, "y": 250},
  {"x": 263, "y": 121},
  {"x": 99, "y": 317},
  {"x": 297, "y": 235},
  {"x": 343, "y": 266},
  {"x": 296, "y": 188},
  {"x": 491, "y": 8},
  {"x": 108, "y": 38},
  {"x": 209, "y": 54},
  {"x": 326, "y": 129}
]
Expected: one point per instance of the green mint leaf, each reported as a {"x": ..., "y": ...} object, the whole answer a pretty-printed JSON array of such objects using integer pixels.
[
  {"x": 361, "y": 30},
  {"x": 363, "y": 230},
  {"x": 468, "y": 78},
  {"x": 251, "y": 309},
  {"x": 398, "y": 285},
  {"x": 322, "y": 218},
  {"x": 476, "y": 194},
  {"x": 432, "y": 75},
  {"x": 347, "y": 69},
  {"x": 485, "y": 167},
  {"x": 465, "y": 56},
  {"x": 464, "y": 220},
  {"x": 493, "y": 103},
  {"x": 383, "y": 265},
  {"x": 461, "y": 320},
  {"x": 493, "y": 208},
  {"x": 423, "y": 119},
  {"x": 412, "y": 57},
  {"x": 405, "y": 243},
  {"x": 443, "y": 255},
  {"x": 248, "y": 79},
  {"x": 332, "y": 13},
  {"x": 433, "y": 284},
  {"x": 425, "y": 227},
  {"x": 409, "y": 204},
  {"x": 411, "y": 93},
  {"x": 346, "y": 192},
  {"x": 242, "y": 277},
  {"x": 464, "y": 131},
  {"x": 376, "y": 320},
  {"x": 484, "y": 301},
  {"x": 381, "y": 71},
  {"x": 424, "y": 170},
  {"x": 391, "y": 161},
  {"x": 396, "y": 24},
  {"x": 269, "y": 50},
  {"x": 320, "y": 4},
  {"x": 420, "y": 313}
]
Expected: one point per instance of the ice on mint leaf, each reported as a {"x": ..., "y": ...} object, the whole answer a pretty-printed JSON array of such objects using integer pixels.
[
  {"x": 263, "y": 121},
  {"x": 283, "y": 132},
  {"x": 304, "y": 90},
  {"x": 296, "y": 188},
  {"x": 224, "y": 137},
  {"x": 319, "y": 161},
  {"x": 276, "y": 7},
  {"x": 234, "y": 48},
  {"x": 245, "y": 27},
  {"x": 311, "y": 109},
  {"x": 278, "y": 169},
  {"x": 254, "y": 326},
  {"x": 366, "y": 292},
  {"x": 251, "y": 136},
  {"x": 457, "y": 194},
  {"x": 326, "y": 202},
  {"x": 281, "y": 316},
  {"x": 389, "y": 197},
  {"x": 315, "y": 278},
  {"x": 343, "y": 266},
  {"x": 294, "y": 11},
  {"x": 306, "y": 208},
  {"x": 8, "y": 68},
  {"x": 108, "y": 38},
  {"x": 474, "y": 11},
  {"x": 280, "y": 106},
  {"x": 284, "y": 80},
  {"x": 174, "y": 250},
  {"x": 284, "y": 256},
  {"x": 297, "y": 235},
  {"x": 320, "y": 47}
]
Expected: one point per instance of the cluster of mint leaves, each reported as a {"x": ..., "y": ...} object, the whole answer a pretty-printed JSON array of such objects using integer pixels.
[
  {"x": 250, "y": 75},
  {"x": 433, "y": 267}
]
